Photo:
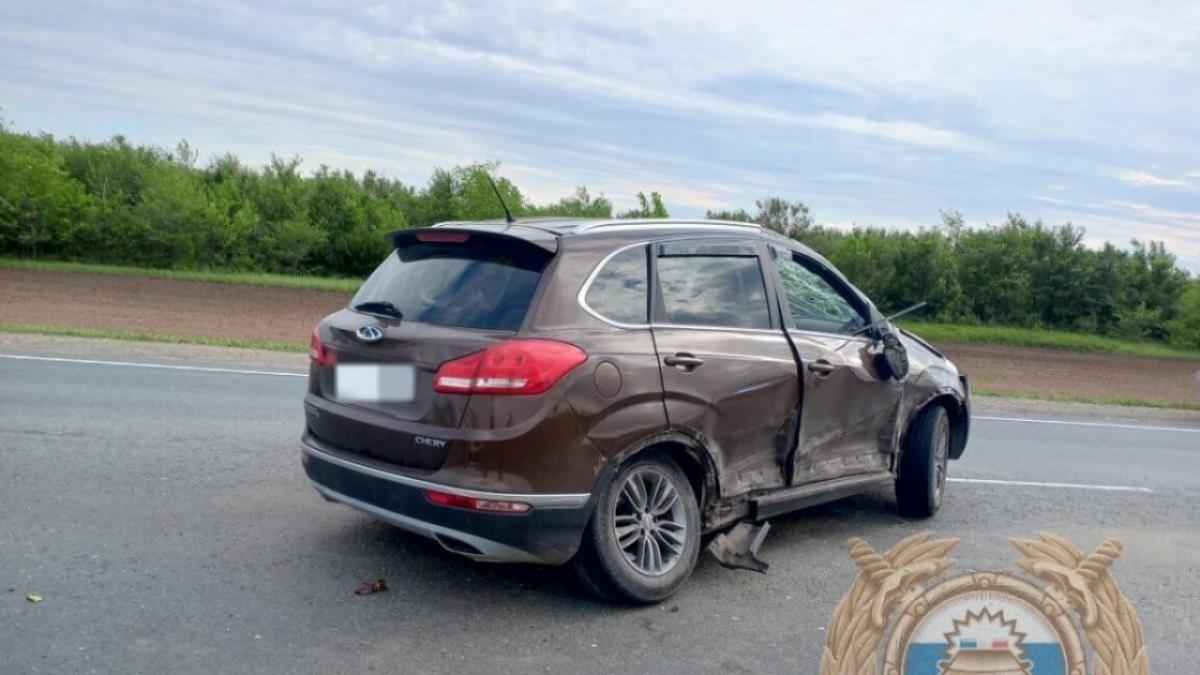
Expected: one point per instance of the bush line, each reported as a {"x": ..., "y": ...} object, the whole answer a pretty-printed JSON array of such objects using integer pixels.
[{"x": 119, "y": 203}]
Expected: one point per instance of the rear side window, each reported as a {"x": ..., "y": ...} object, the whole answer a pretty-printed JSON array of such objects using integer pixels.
[
  {"x": 618, "y": 292},
  {"x": 713, "y": 290},
  {"x": 476, "y": 284}
]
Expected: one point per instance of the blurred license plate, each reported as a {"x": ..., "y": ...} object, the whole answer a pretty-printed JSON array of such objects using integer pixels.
[{"x": 375, "y": 383}]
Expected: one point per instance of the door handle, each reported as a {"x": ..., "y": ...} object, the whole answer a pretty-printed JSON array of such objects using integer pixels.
[
  {"x": 820, "y": 368},
  {"x": 684, "y": 361}
]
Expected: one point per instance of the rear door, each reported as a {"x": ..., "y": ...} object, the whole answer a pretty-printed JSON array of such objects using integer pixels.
[
  {"x": 729, "y": 376},
  {"x": 848, "y": 411},
  {"x": 440, "y": 295}
]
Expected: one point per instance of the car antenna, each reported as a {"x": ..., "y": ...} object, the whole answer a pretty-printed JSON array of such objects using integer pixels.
[{"x": 508, "y": 217}]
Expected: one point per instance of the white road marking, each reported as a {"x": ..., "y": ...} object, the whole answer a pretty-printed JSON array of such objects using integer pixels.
[
  {"x": 1066, "y": 486},
  {"x": 981, "y": 481},
  {"x": 160, "y": 366},
  {"x": 236, "y": 371},
  {"x": 1107, "y": 425}
]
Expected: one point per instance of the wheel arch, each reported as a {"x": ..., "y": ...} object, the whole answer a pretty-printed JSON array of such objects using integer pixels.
[
  {"x": 956, "y": 411},
  {"x": 692, "y": 456}
]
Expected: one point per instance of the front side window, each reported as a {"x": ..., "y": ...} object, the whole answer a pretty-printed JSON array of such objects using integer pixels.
[
  {"x": 713, "y": 290},
  {"x": 815, "y": 303},
  {"x": 618, "y": 292}
]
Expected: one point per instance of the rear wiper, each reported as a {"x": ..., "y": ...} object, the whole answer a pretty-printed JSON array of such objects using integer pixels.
[{"x": 379, "y": 308}]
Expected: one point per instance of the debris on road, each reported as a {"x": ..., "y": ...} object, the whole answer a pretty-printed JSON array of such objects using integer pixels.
[
  {"x": 368, "y": 587},
  {"x": 738, "y": 548},
  {"x": 33, "y": 597}
]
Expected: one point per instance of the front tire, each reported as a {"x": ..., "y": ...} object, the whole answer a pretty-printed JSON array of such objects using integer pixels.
[
  {"x": 921, "y": 480},
  {"x": 643, "y": 538}
]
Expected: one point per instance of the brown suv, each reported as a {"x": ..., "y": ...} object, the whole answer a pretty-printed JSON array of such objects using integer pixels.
[{"x": 610, "y": 392}]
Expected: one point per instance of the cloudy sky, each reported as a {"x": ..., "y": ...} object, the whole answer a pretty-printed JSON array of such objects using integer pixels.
[{"x": 872, "y": 113}]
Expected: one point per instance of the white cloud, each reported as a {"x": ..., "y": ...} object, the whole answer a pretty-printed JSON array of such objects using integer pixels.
[
  {"x": 1051, "y": 200},
  {"x": 1145, "y": 179},
  {"x": 1184, "y": 220},
  {"x": 1119, "y": 221},
  {"x": 905, "y": 132}
]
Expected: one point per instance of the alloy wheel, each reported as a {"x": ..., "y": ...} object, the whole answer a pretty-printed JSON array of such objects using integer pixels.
[
  {"x": 941, "y": 452},
  {"x": 649, "y": 522}
]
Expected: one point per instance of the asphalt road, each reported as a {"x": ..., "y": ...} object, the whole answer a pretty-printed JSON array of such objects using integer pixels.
[{"x": 163, "y": 516}]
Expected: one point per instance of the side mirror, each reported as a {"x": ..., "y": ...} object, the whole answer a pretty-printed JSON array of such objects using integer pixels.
[{"x": 893, "y": 361}]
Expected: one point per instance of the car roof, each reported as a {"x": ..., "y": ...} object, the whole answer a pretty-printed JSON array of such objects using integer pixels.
[
  {"x": 578, "y": 226},
  {"x": 560, "y": 227}
]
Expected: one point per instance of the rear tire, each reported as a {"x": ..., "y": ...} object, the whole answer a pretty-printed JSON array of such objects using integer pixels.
[
  {"x": 921, "y": 480},
  {"x": 643, "y": 538}
]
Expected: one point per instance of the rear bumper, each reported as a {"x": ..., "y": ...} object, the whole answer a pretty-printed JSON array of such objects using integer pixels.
[{"x": 548, "y": 533}]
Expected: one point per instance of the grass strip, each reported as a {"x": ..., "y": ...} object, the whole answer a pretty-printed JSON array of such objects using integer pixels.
[
  {"x": 138, "y": 336},
  {"x": 1127, "y": 401},
  {"x": 1038, "y": 337},
  {"x": 340, "y": 285}
]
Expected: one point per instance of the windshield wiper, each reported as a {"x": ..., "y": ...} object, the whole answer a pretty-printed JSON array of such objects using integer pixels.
[{"x": 379, "y": 308}]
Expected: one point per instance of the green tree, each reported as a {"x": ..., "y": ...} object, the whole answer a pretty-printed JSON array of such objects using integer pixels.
[
  {"x": 739, "y": 216},
  {"x": 925, "y": 269},
  {"x": 353, "y": 223},
  {"x": 1150, "y": 293},
  {"x": 176, "y": 224},
  {"x": 791, "y": 219},
  {"x": 41, "y": 206},
  {"x": 994, "y": 274},
  {"x": 648, "y": 207},
  {"x": 436, "y": 203},
  {"x": 1184, "y": 329},
  {"x": 119, "y": 202},
  {"x": 579, "y": 204},
  {"x": 285, "y": 238},
  {"x": 464, "y": 193},
  {"x": 474, "y": 197},
  {"x": 114, "y": 175}
]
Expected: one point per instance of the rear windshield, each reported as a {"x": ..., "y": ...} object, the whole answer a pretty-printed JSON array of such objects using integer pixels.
[{"x": 475, "y": 285}]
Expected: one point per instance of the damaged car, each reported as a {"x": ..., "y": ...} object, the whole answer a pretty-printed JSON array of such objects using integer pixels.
[{"x": 615, "y": 393}]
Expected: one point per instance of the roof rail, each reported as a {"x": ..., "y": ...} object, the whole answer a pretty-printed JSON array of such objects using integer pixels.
[{"x": 630, "y": 222}]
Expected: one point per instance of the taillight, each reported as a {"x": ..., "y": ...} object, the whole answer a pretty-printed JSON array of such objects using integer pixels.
[
  {"x": 511, "y": 367},
  {"x": 474, "y": 503},
  {"x": 317, "y": 351}
]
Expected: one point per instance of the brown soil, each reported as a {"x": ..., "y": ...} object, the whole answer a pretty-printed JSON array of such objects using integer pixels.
[
  {"x": 1031, "y": 370},
  {"x": 287, "y": 315},
  {"x": 151, "y": 305}
]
